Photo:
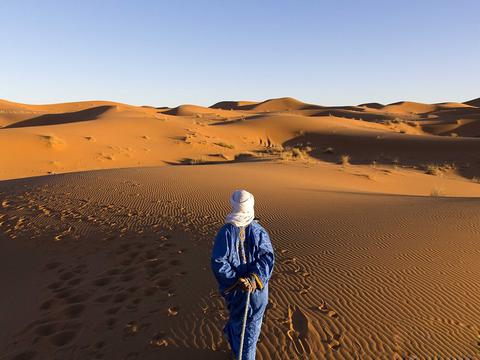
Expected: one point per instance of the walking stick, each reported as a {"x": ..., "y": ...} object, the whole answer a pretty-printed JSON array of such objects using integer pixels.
[{"x": 244, "y": 325}]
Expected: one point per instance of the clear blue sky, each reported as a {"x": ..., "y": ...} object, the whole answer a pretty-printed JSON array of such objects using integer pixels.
[{"x": 165, "y": 53}]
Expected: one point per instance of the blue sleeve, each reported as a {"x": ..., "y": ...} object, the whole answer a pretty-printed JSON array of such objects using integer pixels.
[
  {"x": 262, "y": 267},
  {"x": 221, "y": 267}
]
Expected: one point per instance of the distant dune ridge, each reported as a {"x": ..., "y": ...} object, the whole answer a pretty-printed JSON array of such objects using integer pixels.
[
  {"x": 108, "y": 212},
  {"x": 407, "y": 137}
]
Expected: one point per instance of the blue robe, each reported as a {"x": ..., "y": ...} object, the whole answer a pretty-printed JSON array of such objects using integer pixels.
[{"x": 228, "y": 268}]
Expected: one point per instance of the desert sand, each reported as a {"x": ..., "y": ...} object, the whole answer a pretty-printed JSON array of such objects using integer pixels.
[{"x": 108, "y": 212}]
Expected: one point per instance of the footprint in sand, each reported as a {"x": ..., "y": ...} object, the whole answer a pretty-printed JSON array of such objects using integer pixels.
[
  {"x": 131, "y": 328},
  {"x": 298, "y": 331},
  {"x": 159, "y": 340},
  {"x": 64, "y": 294},
  {"x": 66, "y": 276},
  {"x": 52, "y": 265},
  {"x": 333, "y": 341},
  {"x": 173, "y": 311},
  {"x": 55, "y": 285},
  {"x": 103, "y": 281},
  {"x": 175, "y": 262},
  {"x": 47, "y": 329},
  {"x": 74, "y": 311},
  {"x": 120, "y": 297},
  {"x": 305, "y": 289},
  {"x": 323, "y": 308},
  {"x": 46, "y": 305},
  {"x": 75, "y": 282},
  {"x": 63, "y": 338},
  {"x": 164, "y": 283}
]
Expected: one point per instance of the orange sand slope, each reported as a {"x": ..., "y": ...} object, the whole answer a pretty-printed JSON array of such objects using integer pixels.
[
  {"x": 404, "y": 140},
  {"x": 114, "y": 264}
]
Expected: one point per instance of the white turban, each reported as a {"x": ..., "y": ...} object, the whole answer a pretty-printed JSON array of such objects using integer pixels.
[{"x": 242, "y": 208}]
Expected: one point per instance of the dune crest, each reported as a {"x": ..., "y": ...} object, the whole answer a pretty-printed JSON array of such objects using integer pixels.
[{"x": 474, "y": 102}]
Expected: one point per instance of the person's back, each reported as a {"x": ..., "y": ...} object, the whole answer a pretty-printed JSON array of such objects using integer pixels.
[{"x": 242, "y": 261}]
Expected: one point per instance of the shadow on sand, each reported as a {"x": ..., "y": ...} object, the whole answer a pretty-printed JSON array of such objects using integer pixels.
[{"x": 63, "y": 118}]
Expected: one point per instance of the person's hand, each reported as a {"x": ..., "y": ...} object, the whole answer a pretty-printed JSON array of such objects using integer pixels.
[
  {"x": 253, "y": 283},
  {"x": 246, "y": 284}
]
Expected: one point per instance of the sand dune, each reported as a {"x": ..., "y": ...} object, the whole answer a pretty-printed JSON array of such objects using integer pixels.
[
  {"x": 200, "y": 111},
  {"x": 271, "y": 105},
  {"x": 98, "y": 135},
  {"x": 64, "y": 118},
  {"x": 405, "y": 107},
  {"x": 12, "y": 113},
  {"x": 372, "y": 209},
  {"x": 125, "y": 274},
  {"x": 474, "y": 102},
  {"x": 234, "y": 105},
  {"x": 282, "y": 104}
]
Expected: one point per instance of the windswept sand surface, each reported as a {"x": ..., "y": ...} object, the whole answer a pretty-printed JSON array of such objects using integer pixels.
[{"x": 114, "y": 264}]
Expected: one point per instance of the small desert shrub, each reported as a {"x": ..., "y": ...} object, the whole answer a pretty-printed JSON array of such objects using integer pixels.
[
  {"x": 453, "y": 135},
  {"x": 432, "y": 169},
  {"x": 225, "y": 145},
  {"x": 345, "y": 159},
  {"x": 451, "y": 166},
  {"x": 296, "y": 152},
  {"x": 476, "y": 180},
  {"x": 436, "y": 191},
  {"x": 194, "y": 161},
  {"x": 285, "y": 155},
  {"x": 53, "y": 141}
]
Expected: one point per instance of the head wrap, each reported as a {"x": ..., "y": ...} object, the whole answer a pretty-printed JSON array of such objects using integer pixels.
[{"x": 242, "y": 208}]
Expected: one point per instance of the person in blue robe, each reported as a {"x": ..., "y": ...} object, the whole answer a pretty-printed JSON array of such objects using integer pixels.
[{"x": 242, "y": 261}]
